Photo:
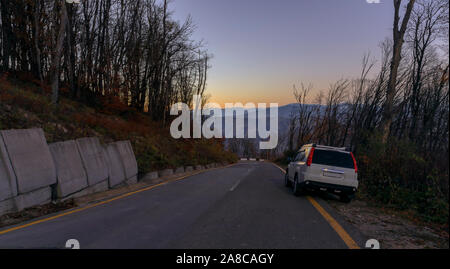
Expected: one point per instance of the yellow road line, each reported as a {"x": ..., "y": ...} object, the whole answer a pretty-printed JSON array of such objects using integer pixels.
[
  {"x": 104, "y": 202},
  {"x": 348, "y": 240},
  {"x": 279, "y": 167}
]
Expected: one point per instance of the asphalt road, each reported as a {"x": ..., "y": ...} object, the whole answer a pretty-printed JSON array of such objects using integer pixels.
[{"x": 242, "y": 206}]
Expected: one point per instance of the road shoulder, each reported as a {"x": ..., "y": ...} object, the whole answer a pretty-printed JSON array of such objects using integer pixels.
[{"x": 390, "y": 228}]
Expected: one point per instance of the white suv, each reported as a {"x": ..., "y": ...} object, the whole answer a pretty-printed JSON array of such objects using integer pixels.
[{"x": 323, "y": 168}]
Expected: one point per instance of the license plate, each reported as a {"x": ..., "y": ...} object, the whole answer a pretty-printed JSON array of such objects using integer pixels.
[{"x": 335, "y": 175}]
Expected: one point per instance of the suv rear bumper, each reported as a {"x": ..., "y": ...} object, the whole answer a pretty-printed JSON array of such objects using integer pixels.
[{"x": 331, "y": 188}]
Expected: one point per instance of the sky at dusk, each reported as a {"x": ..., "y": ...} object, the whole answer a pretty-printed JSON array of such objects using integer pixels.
[{"x": 262, "y": 48}]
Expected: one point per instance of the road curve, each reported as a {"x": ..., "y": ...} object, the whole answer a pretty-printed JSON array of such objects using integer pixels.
[{"x": 241, "y": 206}]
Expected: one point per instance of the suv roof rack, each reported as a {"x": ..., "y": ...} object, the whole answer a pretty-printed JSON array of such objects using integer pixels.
[{"x": 326, "y": 147}]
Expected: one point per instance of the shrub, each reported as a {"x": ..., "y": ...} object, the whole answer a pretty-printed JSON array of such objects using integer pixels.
[{"x": 401, "y": 176}]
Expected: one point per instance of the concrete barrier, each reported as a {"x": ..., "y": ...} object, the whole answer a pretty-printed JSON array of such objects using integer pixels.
[
  {"x": 29, "y": 168},
  {"x": 128, "y": 159},
  {"x": 70, "y": 172},
  {"x": 33, "y": 198},
  {"x": 189, "y": 169},
  {"x": 7, "y": 206},
  {"x": 150, "y": 176},
  {"x": 99, "y": 187},
  {"x": 179, "y": 170},
  {"x": 115, "y": 166},
  {"x": 132, "y": 181},
  {"x": 165, "y": 173},
  {"x": 199, "y": 167},
  {"x": 31, "y": 159},
  {"x": 94, "y": 159},
  {"x": 8, "y": 185}
]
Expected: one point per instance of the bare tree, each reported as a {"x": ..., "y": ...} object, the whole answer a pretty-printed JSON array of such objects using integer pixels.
[
  {"x": 56, "y": 65},
  {"x": 305, "y": 113},
  {"x": 398, "y": 34},
  {"x": 106, "y": 51}
]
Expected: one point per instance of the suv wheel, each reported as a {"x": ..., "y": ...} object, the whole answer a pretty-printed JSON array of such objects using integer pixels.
[
  {"x": 297, "y": 189},
  {"x": 287, "y": 182},
  {"x": 345, "y": 198}
]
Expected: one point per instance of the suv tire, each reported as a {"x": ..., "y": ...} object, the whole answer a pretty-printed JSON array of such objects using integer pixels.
[
  {"x": 345, "y": 198},
  {"x": 297, "y": 190},
  {"x": 287, "y": 182}
]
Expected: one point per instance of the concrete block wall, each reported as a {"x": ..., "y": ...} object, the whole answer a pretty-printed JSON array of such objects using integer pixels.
[
  {"x": 94, "y": 159},
  {"x": 70, "y": 172},
  {"x": 199, "y": 167},
  {"x": 39, "y": 196},
  {"x": 180, "y": 170},
  {"x": 30, "y": 158},
  {"x": 8, "y": 185},
  {"x": 165, "y": 172},
  {"x": 31, "y": 171},
  {"x": 123, "y": 168},
  {"x": 115, "y": 166},
  {"x": 128, "y": 159},
  {"x": 33, "y": 166},
  {"x": 150, "y": 176}
]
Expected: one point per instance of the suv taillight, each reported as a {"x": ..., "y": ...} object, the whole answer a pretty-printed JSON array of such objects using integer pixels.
[
  {"x": 354, "y": 162},
  {"x": 309, "y": 161}
]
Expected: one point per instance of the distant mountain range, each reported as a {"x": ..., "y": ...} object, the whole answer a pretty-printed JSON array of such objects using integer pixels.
[{"x": 285, "y": 114}]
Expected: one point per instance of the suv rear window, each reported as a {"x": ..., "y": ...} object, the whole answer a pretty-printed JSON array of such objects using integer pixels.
[{"x": 332, "y": 158}]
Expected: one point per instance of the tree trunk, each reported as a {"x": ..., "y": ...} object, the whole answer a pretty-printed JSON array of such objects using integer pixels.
[
  {"x": 36, "y": 42},
  {"x": 398, "y": 34},
  {"x": 7, "y": 33},
  {"x": 58, "y": 52}
]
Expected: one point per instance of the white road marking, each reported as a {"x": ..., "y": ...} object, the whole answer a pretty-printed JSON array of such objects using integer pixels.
[
  {"x": 239, "y": 181},
  {"x": 235, "y": 185}
]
